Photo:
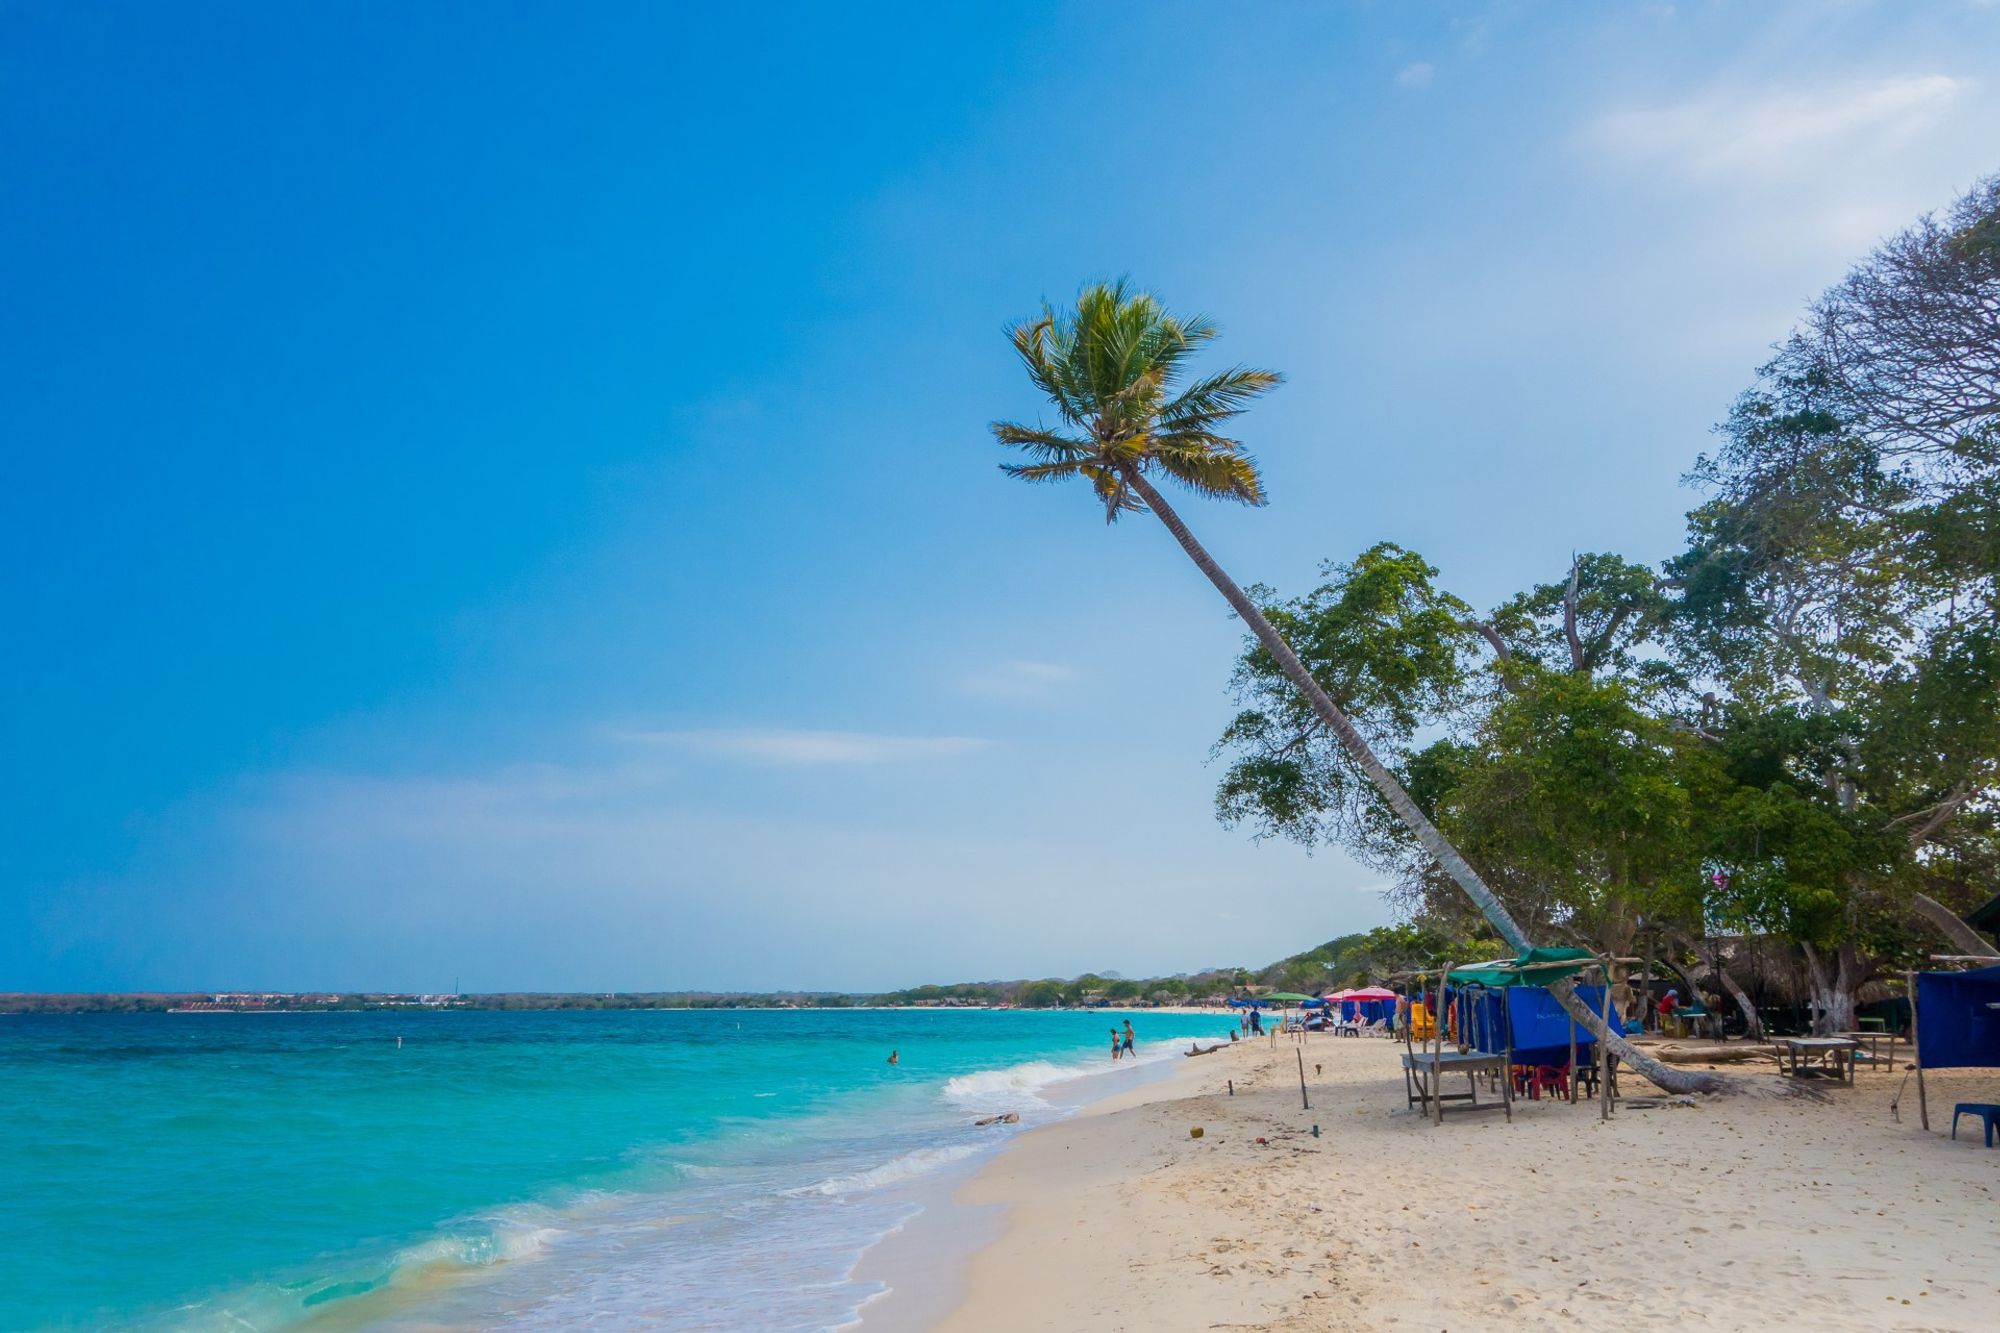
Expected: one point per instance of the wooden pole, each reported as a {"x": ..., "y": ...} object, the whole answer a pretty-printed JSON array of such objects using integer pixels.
[
  {"x": 1604, "y": 1049},
  {"x": 1304, "y": 1101},
  {"x": 1572, "y": 1060},
  {"x": 1916, "y": 1052},
  {"x": 1437, "y": 1066},
  {"x": 1646, "y": 989}
]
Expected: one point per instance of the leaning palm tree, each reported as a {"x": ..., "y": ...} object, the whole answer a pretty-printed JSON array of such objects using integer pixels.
[{"x": 1115, "y": 371}]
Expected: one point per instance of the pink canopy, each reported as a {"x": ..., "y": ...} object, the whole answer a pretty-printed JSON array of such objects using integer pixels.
[{"x": 1367, "y": 993}]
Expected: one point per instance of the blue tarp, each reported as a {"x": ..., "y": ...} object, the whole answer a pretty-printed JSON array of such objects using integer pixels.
[
  {"x": 1539, "y": 1025},
  {"x": 1958, "y": 1019}
]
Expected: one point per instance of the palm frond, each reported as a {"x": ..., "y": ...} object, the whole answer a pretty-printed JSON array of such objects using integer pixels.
[
  {"x": 1045, "y": 445},
  {"x": 1212, "y": 466},
  {"x": 1038, "y": 342},
  {"x": 1114, "y": 491},
  {"x": 1218, "y": 397},
  {"x": 1044, "y": 471}
]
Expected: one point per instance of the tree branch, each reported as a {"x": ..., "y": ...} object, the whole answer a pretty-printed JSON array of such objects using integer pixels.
[
  {"x": 1937, "y": 816},
  {"x": 1576, "y": 661}
]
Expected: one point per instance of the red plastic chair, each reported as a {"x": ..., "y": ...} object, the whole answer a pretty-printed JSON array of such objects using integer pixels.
[{"x": 1552, "y": 1079}]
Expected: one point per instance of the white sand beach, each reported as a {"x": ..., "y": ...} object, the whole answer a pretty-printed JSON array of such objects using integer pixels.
[{"x": 1754, "y": 1211}]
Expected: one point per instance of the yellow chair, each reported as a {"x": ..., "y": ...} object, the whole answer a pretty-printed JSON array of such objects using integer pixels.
[{"x": 1422, "y": 1026}]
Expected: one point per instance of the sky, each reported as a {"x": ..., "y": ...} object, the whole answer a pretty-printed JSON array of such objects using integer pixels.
[{"x": 498, "y": 494}]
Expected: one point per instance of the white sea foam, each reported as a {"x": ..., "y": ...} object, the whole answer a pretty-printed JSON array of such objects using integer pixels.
[
  {"x": 1020, "y": 1087},
  {"x": 909, "y": 1166},
  {"x": 1011, "y": 1085},
  {"x": 502, "y": 1237}
]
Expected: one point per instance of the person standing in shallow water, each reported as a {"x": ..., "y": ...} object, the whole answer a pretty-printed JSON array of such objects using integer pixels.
[
  {"x": 1128, "y": 1039},
  {"x": 1115, "y": 1047},
  {"x": 893, "y": 1058}
]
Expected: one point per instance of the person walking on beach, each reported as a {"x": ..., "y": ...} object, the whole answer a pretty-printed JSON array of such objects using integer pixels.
[
  {"x": 1116, "y": 1047},
  {"x": 1128, "y": 1039},
  {"x": 1256, "y": 1024}
]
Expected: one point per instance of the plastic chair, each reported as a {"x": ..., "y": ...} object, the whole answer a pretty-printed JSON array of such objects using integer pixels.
[{"x": 1988, "y": 1113}]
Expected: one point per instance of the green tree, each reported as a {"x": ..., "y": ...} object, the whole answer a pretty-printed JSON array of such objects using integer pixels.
[
  {"x": 1115, "y": 371},
  {"x": 1042, "y": 995}
]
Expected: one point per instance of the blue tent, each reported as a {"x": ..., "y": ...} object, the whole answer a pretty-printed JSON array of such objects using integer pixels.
[
  {"x": 1958, "y": 1019},
  {"x": 1530, "y": 1016}
]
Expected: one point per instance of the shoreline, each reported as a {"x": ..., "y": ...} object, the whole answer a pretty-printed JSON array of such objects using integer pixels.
[
  {"x": 923, "y": 1265},
  {"x": 1748, "y": 1212}
]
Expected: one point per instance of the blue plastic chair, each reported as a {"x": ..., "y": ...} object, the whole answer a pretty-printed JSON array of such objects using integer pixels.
[{"x": 1988, "y": 1113}]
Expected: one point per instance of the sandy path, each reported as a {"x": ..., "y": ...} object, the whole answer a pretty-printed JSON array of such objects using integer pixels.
[{"x": 1743, "y": 1213}]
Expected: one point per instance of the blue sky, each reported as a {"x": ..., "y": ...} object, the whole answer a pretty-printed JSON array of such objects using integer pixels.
[{"x": 502, "y": 494}]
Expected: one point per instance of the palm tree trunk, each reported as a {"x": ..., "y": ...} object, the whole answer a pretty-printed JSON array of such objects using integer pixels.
[
  {"x": 1435, "y": 843},
  {"x": 1953, "y": 928}
]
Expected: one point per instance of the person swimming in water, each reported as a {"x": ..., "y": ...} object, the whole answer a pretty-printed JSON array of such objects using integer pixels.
[{"x": 893, "y": 1058}]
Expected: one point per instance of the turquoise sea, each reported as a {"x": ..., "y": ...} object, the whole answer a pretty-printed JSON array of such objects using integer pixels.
[{"x": 676, "y": 1170}]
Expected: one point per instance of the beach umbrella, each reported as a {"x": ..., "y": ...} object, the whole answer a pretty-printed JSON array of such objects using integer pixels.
[
  {"x": 1368, "y": 993},
  {"x": 1287, "y": 997}
]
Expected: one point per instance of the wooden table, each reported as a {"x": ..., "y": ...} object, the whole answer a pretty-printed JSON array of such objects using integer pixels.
[
  {"x": 1809, "y": 1057},
  {"x": 1873, "y": 1041},
  {"x": 1423, "y": 1081}
]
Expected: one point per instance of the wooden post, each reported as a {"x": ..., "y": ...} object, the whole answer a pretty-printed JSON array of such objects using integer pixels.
[
  {"x": 1572, "y": 1060},
  {"x": 1604, "y": 1048},
  {"x": 1304, "y": 1101},
  {"x": 1646, "y": 1010},
  {"x": 1916, "y": 1053},
  {"x": 1507, "y": 1069},
  {"x": 1437, "y": 1066}
]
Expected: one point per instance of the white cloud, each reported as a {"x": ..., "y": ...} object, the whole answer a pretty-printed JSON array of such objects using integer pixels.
[
  {"x": 1731, "y": 131},
  {"x": 780, "y": 746},
  {"x": 1016, "y": 680},
  {"x": 1415, "y": 75}
]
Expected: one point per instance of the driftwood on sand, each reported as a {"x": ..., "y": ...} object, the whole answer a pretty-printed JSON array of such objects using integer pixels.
[
  {"x": 1010, "y": 1118},
  {"x": 1711, "y": 1053}
]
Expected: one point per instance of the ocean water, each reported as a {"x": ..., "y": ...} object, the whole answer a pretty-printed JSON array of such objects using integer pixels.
[{"x": 668, "y": 1170}]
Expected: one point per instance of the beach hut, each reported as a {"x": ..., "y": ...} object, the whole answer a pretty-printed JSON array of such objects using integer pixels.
[
  {"x": 1504, "y": 1007},
  {"x": 1957, "y": 1018}
]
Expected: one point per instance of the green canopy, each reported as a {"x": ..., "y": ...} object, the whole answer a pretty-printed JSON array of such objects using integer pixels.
[
  {"x": 1536, "y": 967},
  {"x": 1286, "y": 997}
]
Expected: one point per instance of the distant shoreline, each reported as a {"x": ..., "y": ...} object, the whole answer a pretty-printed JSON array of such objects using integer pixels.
[{"x": 198, "y": 1002}]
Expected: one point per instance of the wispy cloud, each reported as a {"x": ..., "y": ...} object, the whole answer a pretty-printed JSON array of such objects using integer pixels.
[
  {"x": 789, "y": 747},
  {"x": 1730, "y": 131},
  {"x": 1417, "y": 74},
  {"x": 1016, "y": 680}
]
